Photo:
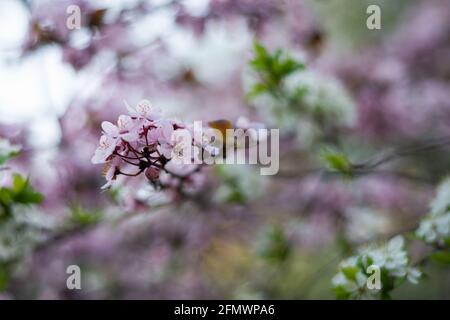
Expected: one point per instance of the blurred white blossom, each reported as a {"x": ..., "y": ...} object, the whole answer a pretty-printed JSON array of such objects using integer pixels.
[
  {"x": 435, "y": 227},
  {"x": 7, "y": 150},
  {"x": 325, "y": 96},
  {"x": 364, "y": 224}
]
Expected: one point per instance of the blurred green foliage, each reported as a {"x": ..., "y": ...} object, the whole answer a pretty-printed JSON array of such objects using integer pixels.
[
  {"x": 271, "y": 68},
  {"x": 337, "y": 161},
  {"x": 21, "y": 192},
  {"x": 81, "y": 216},
  {"x": 274, "y": 246}
]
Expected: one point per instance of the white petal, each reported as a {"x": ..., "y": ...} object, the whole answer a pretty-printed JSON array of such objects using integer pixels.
[
  {"x": 110, "y": 129},
  {"x": 107, "y": 185},
  {"x": 99, "y": 157},
  {"x": 396, "y": 243}
]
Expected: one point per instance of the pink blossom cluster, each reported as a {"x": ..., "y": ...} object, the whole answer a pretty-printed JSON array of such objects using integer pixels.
[{"x": 145, "y": 142}]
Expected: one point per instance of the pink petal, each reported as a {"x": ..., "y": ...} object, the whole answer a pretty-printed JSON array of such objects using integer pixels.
[
  {"x": 99, "y": 157},
  {"x": 110, "y": 129}
]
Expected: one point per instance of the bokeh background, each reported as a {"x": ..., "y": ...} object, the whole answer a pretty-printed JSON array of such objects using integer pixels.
[{"x": 242, "y": 235}]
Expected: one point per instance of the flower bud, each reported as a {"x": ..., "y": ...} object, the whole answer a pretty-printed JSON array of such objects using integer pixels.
[{"x": 152, "y": 173}]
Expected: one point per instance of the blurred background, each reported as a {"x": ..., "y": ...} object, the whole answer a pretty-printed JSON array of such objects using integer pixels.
[{"x": 362, "y": 93}]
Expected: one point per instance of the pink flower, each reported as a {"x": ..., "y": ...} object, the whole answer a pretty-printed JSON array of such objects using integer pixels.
[
  {"x": 165, "y": 132},
  {"x": 126, "y": 128},
  {"x": 148, "y": 145},
  {"x": 206, "y": 140},
  {"x": 153, "y": 136},
  {"x": 105, "y": 150},
  {"x": 183, "y": 152},
  {"x": 111, "y": 170},
  {"x": 144, "y": 110}
]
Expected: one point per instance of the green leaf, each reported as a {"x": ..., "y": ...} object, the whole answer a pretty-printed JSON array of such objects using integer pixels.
[
  {"x": 364, "y": 261},
  {"x": 4, "y": 277},
  {"x": 447, "y": 242},
  {"x": 387, "y": 284},
  {"x": 236, "y": 196},
  {"x": 7, "y": 151},
  {"x": 5, "y": 196},
  {"x": 341, "y": 293},
  {"x": 289, "y": 65},
  {"x": 412, "y": 236},
  {"x": 274, "y": 245},
  {"x": 441, "y": 257},
  {"x": 350, "y": 272},
  {"x": 19, "y": 183},
  {"x": 262, "y": 60},
  {"x": 337, "y": 161},
  {"x": 256, "y": 90},
  {"x": 299, "y": 93},
  {"x": 230, "y": 183},
  {"x": 5, "y": 157},
  {"x": 272, "y": 69},
  {"x": 23, "y": 193},
  {"x": 260, "y": 51},
  {"x": 83, "y": 217}
]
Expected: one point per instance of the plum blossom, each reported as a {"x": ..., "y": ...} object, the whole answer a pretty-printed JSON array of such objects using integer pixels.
[
  {"x": 183, "y": 152},
  {"x": 144, "y": 142},
  {"x": 206, "y": 139},
  {"x": 144, "y": 110},
  {"x": 126, "y": 128},
  {"x": 111, "y": 170},
  {"x": 166, "y": 138},
  {"x": 105, "y": 150}
]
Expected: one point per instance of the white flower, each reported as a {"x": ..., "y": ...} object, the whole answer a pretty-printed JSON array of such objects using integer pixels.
[
  {"x": 324, "y": 95},
  {"x": 310, "y": 96},
  {"x": 435, "y": 227},
  {"x": 365, "y": 224},
  {"x": 22, "y": 231},
  {"x": 441, "y": 202},
  {"x": 413, "y": 275},
  {"x": 352, "y": 279},
  {"x": 390, "y": 257}
]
